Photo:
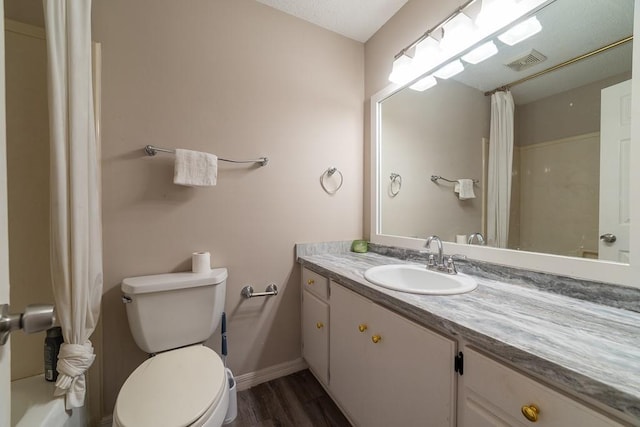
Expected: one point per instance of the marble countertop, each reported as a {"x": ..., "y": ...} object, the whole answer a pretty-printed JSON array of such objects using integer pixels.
[{"x": 588, "y": 349}]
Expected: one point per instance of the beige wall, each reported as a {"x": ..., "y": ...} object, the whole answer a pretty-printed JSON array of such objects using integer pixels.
[
  {"x": 416, "y": 145},
  {"x": 241, "y": 80},
  {"x": 28, "y": 186}
]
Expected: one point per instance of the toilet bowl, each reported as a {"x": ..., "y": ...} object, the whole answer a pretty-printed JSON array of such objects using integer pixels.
[
  {"x": 184, "y": 383},
  {"x": 184, "y": 387}
]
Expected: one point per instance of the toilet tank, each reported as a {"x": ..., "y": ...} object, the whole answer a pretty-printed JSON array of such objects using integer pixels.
[{"x": 168, "y": 311}]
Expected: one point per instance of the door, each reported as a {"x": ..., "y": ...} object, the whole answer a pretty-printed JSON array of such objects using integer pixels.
[
  {"x": 5, "y": 351},
  {"x": 615, "y": 139}
]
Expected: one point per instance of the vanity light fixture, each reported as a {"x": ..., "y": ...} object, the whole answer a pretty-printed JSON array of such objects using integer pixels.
[
  {"x": 449, "y": 70},
  {"x": 424, "y": 84},
  {"x": 521, "y": 32},
  {"x": 481, "y": 53}
]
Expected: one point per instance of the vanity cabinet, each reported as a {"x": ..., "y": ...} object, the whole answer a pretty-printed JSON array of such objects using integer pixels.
[
  {"x": 386, "y": 370},
  {"x": 490, "y": 394},
  {"x": 315, "y": 324}
]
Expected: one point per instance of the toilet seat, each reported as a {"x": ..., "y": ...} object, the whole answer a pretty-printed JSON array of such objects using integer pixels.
[{"x": 180, "y": 387}]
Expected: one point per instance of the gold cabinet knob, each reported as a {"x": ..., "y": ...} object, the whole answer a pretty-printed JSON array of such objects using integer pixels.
[
  {"x": 530, "y": 412},
  {"x": 319, "y": 325},
  {"x": 362, "y": 327},
  {"x": 376, "y": 339},
  {"x": 310, "y": 282}
]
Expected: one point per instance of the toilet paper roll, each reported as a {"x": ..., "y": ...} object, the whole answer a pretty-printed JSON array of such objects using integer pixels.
[
  {"x": 201, "y": 262},
  {"x": 461, "y": 238}
]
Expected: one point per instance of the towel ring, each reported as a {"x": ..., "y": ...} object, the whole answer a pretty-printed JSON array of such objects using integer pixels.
[
  {"x": 328, "y": 174},
  {"x": 397, "y": 180}
]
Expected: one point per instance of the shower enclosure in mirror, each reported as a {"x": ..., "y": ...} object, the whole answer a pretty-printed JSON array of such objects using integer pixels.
[{"x": 571, "y": 139}]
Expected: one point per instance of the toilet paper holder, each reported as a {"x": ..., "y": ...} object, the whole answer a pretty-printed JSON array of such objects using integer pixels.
[{"x": 247, "y": 291}]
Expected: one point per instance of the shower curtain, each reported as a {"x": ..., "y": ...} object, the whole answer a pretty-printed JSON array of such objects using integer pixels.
[
  {"x": 76, "y": 240},
  {"x": 500, "y": 169}
]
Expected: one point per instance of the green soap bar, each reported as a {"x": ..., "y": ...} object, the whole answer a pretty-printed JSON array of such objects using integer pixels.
[{"x": 360, "y": 246}]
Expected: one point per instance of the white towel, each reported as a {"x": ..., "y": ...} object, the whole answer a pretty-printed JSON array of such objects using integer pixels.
[
  {"x": 464, "y": 188},
  {"x": 195, "y": 168}
]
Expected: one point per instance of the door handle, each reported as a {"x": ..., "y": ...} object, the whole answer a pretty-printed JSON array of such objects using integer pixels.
[
  {"x": 608, "y": 238},
  {"x": 36, "y": 318}
]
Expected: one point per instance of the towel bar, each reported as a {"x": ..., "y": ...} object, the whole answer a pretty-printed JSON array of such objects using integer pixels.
[
  {"x": 435, "y": 179},
  {"x": 153, "y": 150}
]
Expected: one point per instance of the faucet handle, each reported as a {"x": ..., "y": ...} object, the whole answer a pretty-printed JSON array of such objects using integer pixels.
[
  {"x": 432, "y": 261},
  {"x": 451, "y": 266}
]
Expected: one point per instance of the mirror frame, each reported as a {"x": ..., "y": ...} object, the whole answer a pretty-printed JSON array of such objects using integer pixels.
[{"x": 588, "y": 269}]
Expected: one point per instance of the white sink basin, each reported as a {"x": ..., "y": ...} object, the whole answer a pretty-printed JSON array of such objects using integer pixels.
[{"x": 416, "y": 279}]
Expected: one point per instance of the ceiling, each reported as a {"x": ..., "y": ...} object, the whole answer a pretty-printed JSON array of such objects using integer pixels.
[{"x": 355, "y": 19}]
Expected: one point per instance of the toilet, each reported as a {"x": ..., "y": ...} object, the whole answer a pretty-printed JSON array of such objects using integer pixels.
[{"x": 184, "y": 383}]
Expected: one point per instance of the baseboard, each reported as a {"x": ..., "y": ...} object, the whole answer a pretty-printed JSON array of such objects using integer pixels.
[{"x": 252, "y": 379}]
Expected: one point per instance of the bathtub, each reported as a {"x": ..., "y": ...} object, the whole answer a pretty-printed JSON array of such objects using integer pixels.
[{"x": 33, "y": 405}]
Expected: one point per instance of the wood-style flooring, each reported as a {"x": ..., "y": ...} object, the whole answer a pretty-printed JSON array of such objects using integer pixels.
[{"x": 295, "y": 400}]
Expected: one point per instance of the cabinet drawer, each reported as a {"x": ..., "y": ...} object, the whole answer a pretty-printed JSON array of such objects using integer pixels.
[
  {"x": 315, "y": 283},
  {"x": 493, "y": 391}
]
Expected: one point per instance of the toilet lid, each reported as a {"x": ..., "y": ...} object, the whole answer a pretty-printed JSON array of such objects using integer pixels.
[{"x": 174, "y": 388}]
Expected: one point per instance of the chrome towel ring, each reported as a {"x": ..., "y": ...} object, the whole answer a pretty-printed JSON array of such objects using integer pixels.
[
  {"x": 396, "y": 184},
  {"x": 328, "y": 174}
]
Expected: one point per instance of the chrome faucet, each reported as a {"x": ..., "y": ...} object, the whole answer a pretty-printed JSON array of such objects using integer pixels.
[
  {"x": 478, "y": 237},
  {"x": 438, "y": 263}
]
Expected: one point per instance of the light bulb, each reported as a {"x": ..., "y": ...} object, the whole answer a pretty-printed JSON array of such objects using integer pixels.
[
  {"x": 521, "y": 32},
  {"x": 449, "y": 70},
  {"x": 481, "y": 53},
  {"x": 458, "y": 34},
  {"x": 424, "y": 84},
  {"x": 402, "y": 71},
  {"x": 427, "y": 54},
  {"x": 495, "y": 14}
]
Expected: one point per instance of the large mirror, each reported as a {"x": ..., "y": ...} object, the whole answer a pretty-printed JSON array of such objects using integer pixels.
[{"x": 571, "y": 134}]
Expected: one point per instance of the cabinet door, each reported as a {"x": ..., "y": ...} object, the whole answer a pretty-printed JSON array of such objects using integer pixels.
[
  {"x": 349, "y": 372},
  {"x": 315, "y": 335},
  {"x": 404, "y": 378},
  {"x": 412, "y": 372}
]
